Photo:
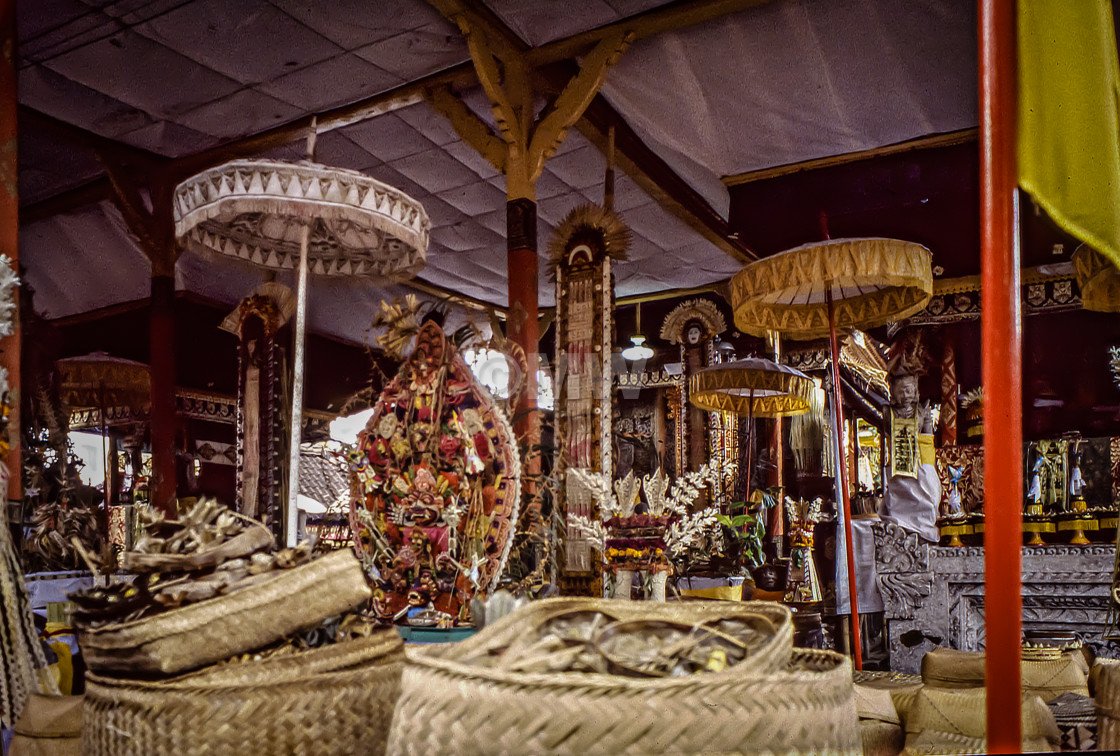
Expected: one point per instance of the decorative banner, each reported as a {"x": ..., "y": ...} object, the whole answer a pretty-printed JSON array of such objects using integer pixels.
[
  {"x": 580, "y": 260},
  {"x": 904, "y": 445},
  {"x": 261, "y": 438},
  {"x": 948, "y": 394}
]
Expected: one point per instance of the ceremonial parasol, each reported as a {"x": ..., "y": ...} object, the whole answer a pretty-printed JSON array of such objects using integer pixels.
[
  {"x": 754, "y": 387},
  {"x": 304, "y": 217},
  {"x": 1098, "y": 279},
  {"x": 810, "y": 291},
  {"x": 102, "y": 381}
]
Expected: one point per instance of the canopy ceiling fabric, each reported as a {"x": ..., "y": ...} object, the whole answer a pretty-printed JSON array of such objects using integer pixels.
[{"x": 786, "y": 81}]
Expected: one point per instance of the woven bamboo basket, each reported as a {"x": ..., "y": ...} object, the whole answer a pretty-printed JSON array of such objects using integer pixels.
[
  {"x": 231, "y": 624},
  {"x": 332, "y": 700},
  {"x": 780, "y": 701},
  {"x": 1108, "y": 706}
]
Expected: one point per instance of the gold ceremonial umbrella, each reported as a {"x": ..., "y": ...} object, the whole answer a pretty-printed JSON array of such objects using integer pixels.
[
  {"x": 308, "y": 218},
  {"x": 101, "y": 381},
  {"x": 1098, "y": 279},
  {"x": 754, "y": 387},
  {"x": 812, "y": 290}
]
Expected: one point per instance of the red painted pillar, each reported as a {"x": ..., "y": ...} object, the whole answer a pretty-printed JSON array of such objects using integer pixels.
[
  {"x": 1001, "y": 369},
  {"x": 162, "y": 337},
  {"x": 523, "y": 329},
  {"x": 9, "y": 231}
]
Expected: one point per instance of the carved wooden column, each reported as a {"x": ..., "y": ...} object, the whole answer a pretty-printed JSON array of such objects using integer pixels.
[{"x": 519, "y": 149}]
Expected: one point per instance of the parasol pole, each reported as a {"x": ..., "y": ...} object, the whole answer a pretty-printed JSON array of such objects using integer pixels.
[
  {"x": 104, "y": 455},
  {"x": 750, "y": 447},
  {"x": 291, "y": 520},
  {"x": 842, "y": 471}
]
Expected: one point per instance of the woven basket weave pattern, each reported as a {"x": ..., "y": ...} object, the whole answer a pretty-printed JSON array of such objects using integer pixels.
[
  {"x": 330, "y": 701},
  {"x": 228, "y": 625},
  {"x": 773, "y": 703},
  {"x": 1108, "y": 707}
]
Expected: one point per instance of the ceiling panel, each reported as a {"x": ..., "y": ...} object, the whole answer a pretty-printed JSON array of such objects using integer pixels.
[
  {"x": 418, "y": 52},
  {"x": 56, "y": 95},
  {"x": 249, "y": 41},
  {"x": 239, "y": 114},
  {"x": 351, "y": 79},
  {"x": 435, "y": 170},
  {"x": 357, "y": 23},
  {"x": 146, "y": 75},
  {"x": 388, "y": 137}
]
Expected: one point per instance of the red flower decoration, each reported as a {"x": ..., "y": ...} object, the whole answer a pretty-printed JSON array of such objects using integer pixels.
[{"x": 449, "y": 445}]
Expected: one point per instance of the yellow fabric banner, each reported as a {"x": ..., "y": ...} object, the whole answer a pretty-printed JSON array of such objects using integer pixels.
[{"x": 1069, "y": 117}]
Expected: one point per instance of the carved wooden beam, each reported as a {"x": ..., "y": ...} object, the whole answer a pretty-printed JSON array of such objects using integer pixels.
[
  {"x": 470, "y": 128},
  {"x": 150, "y": 221},
  {"x": 573, "y": 100}
]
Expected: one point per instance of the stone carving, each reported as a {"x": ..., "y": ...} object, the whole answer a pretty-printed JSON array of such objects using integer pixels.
[
  {"x": 899, "y": 550},
  {"x": 935, "y": 595},
  {"x": 904, "y": 591}
]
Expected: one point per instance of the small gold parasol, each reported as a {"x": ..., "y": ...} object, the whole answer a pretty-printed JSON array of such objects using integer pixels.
[
  {"x": 1098, "y": 279},
  {"x": 813, "y": 290},
  {"x": 99, "y": 380},
  {"x": 753, "y": 387}
]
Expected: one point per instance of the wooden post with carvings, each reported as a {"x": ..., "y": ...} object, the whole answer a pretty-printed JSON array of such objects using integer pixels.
[{"x": 155, "y": 231}]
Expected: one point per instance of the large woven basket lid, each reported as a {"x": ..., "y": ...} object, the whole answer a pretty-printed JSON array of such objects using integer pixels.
[
  {"x": 1098, "y": 279},
  {"x": 754, "y": 385},
  {"x": 255, "y": 210},
  {"x": 873, "y": 281}
]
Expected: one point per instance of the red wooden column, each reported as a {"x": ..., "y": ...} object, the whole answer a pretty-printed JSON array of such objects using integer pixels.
[
  {"x": 1001, "y": 365},
  {"x": 523, "y": 330},
  {"x": 162, "y": 357},
  {"x": 9, "y": 231}
]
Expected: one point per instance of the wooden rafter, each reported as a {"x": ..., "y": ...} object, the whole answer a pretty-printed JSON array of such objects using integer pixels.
[
  {"x": 570, "y": 104},
  {"x": 499, "y": 58},
  {"x": 675, "y": 15},
  {"x": 470, "y": 128},
  {"x": 948, "y": 139}
]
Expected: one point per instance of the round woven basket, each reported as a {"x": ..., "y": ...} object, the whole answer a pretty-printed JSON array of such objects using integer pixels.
[
  {"x": 331, "y": 700},
  {"x": 777, "y": 701}
]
